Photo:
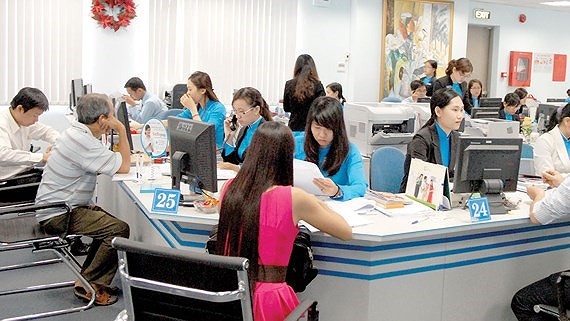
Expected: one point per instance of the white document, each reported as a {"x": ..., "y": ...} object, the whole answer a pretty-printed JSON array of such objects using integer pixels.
[
  {"x": 225, "y": 174},
  {"x": 303, "y": 174},
  {"x": 350, "y": 211}
]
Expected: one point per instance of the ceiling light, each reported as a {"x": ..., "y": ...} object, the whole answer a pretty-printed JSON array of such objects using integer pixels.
[{"x": 557, "y": 3}]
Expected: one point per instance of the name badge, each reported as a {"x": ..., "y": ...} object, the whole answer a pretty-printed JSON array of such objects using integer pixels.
[
  {"x": 165, "y": 200},
  {"x": 479, "y": 209}
]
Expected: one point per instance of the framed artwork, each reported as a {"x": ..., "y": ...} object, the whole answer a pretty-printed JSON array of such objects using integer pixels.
[{"x": 413, "y": 32}]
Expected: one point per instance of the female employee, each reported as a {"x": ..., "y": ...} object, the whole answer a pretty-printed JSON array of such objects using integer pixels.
[
  {"x": 457, "y": 71},
  {"x": 202, "y": 104},
  {"x": 552, "y": 149},
  {"x": 334, "y": 90},
  {"x": 258, "y": 219},
  {"x": 475, "y": 88},
  {"x": 249, "y": 110},
  {"x": 326, "y": 144},
  {"x": 436, "y": 141},
  {"x": 510, "y": 108},
  {"x": 430, "y": 68},
  {"x": 300, "y": 92}
]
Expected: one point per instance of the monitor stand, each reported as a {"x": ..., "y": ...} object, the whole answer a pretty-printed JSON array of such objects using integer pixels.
[{"x": 492, "y": 189}]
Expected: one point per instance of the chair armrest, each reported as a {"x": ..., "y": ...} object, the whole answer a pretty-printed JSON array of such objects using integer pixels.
[
  {"x": 30, "y": 208},
  {"x": 560, "y": 285},
  {"x": 301, "y": 309}
]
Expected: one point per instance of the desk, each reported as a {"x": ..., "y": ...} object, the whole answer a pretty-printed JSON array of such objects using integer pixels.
[{"x": 441, "y": 269}]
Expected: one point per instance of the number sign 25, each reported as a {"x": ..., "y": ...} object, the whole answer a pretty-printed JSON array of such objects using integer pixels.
[{"x": 165, "y": 200}]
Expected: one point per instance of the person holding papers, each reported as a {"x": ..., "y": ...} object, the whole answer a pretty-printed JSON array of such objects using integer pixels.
[
  {"x": 436, "y": 141},
  {"x": 202, "y": 104},
  {"x": 325, "y": 143},
  {"x": 259, "y": 213},
  {"x": 249, "y": 111}
]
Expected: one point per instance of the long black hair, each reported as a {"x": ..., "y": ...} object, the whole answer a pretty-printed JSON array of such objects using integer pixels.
[
  {"x": 269, "y": 162},
  {"x": 558, "y": 116},
  {"x": 327, "y": 112},
  {"x": 337, "y": 88},
  {"x": 254, "y": 98},
  {"x": 305, "y": 77},
  {"x": 440, "y": 98}
]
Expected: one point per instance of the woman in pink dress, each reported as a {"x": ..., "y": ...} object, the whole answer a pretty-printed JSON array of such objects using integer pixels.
[{"x": 259, "y": 215}]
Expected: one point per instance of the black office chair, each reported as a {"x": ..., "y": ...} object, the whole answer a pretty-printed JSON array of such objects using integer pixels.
[
  {"x": 561, "y": 311},
  {"x": 177, "y": 91},
  {"x": 20, "y": 189},
  {"x": 170, "y": 284},
  {"x": 19, "y": 229}
]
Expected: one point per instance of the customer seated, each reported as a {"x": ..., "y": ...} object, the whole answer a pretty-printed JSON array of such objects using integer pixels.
[{"x": 259, "y": 214}]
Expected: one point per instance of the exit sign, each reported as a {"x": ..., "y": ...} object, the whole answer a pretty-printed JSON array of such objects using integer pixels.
[{"x": 482, "y": 14}]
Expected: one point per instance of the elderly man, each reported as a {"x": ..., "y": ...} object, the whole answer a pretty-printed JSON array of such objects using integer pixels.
[{"x": 70, "y": 175}]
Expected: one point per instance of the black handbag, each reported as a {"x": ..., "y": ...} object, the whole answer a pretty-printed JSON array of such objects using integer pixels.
[{"x": 300, "y": 271}]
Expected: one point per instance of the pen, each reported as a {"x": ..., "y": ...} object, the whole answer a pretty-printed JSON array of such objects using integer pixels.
[{"x": 420, "y": 220}]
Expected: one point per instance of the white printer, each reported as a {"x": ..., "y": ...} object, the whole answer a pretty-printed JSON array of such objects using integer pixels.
[
  {"x": 492, "y": 128},
  {"x": 372, "y": 125}
]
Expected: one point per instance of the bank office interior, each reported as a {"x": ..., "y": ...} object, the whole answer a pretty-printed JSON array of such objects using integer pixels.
[{"x": 343, "y": 31}]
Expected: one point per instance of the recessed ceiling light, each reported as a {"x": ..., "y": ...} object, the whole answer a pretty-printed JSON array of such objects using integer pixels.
[{"x": 557, "y": 3}]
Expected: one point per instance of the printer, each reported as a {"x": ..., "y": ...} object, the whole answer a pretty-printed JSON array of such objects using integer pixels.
[
  {"x": 373, "y": 125},
  {"x": 492, "y": 128}
]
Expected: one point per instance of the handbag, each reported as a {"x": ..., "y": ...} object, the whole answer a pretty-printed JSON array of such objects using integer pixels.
[{"x": 300, "y": 270}]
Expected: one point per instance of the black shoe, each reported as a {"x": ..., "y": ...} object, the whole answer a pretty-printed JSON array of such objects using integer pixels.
[{"x": 78, "y": 248}]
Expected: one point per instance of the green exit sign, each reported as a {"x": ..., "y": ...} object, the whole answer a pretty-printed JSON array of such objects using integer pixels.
[{"x": 482, "y": 14}]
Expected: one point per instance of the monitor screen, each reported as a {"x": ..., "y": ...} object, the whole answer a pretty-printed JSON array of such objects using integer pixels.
[
  {"x": 123, "y": 117},
  {"x": 76, "y": 92},
  {"x": 193, "y": 154},
  {"x": 490, "y": 102},
  {"x": 424, "y": 99},
  {"x": 485, "y": 112},
  {"x": 87, "y": 89},
  {"x": 555, "y": 100},
  {"x": 545, "y": 111},
  {"x": 489, "y": 166}
]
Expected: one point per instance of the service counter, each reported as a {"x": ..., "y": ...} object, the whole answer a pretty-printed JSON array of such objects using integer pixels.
[{"x": 442, "y": 268}]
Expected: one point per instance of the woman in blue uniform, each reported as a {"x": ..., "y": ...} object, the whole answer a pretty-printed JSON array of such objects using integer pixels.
[{"x": 326, "y": 144}]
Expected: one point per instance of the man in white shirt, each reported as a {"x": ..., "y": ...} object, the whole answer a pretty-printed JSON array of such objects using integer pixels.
[
  {"x": 77, "y": 158},
  {"x": 151, "y": 106},
  {"x": 547, "y": 207},
  {"x": 18, "y": 127}
]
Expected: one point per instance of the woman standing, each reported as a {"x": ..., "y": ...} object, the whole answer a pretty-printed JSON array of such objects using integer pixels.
[
  {"x": 457, "y": 71},
  {"x": 301, "y": 91},
  {"x": 259, "y": 215}
]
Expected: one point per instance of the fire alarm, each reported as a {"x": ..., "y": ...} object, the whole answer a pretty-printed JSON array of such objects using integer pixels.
[{"x": 522, "y": 18}]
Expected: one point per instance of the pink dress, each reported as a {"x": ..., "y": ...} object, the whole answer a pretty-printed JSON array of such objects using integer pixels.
[{"x": 277, "y": 232}]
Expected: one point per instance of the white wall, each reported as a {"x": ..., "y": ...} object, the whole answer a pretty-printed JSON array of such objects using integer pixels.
[{"x": 545, "y": 31}]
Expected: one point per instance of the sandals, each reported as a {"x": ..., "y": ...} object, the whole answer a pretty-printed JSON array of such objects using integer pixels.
[{"x": 104, "y": 295}]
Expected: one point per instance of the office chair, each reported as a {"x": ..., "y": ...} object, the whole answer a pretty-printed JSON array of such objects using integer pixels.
[
  {"x": 391, "y": 100},
  {"x": 177, "y": 91},
  {"x": 561, "y": 311},
  {"x": 170, "y": 112},
  {"x": 22, "y": 187},
  {"x": 171, "y": 284},
  {"x": 386, "y": 169},
  {"x": 19, "y": 229}
]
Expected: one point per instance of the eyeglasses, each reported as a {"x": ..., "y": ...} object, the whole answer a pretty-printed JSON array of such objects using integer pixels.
[{"x": 242, "y": 113}]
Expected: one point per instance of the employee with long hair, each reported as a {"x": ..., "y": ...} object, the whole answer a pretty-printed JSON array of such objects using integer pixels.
[
  {"x": 326, "y": 144},
  {"x": 300, "y": 92},
  {"x": 202, "y": 104},
  {"x": 250, "y": 110},
  {"x": 259, "y": 215},
  {"x": 436, "y": 141},
  {"x": 457, "y": 71}
]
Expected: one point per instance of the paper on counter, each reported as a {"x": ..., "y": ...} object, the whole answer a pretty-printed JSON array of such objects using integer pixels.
[
  {"x": 225, "y": 174},
  {"x": 303, "y": 174},
  {"x": 349, "y": 211}
]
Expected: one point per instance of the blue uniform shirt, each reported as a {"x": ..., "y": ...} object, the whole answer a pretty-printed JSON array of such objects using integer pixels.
[
  {"x": 444, "y": 148},
  {"x": 350, "y": 177},
  {"x": 508, "y": 116},
  {"x": 427, "y": 80},
  {"x": 228, "y": 149},
  {"x": 457, "y": 87},
  {"x": 475, "y": 102},
  {"x": 213, "y": 113},
  {"x": 567, "y": 144}
]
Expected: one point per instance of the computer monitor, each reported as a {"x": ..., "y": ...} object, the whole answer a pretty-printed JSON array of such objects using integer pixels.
[
  {"x": 192, "y": 154},
  {"x": 545, "y": 112},
  {"x": 123, "y": 117},
  {"x": 489, "y": 166},
  {"x": 556, "y": 100},
  {"x": 87, "y": 89},
  {"x": 424, "y": 99},
  {"x": 490, "y": 102},
  {"x": 485, "y": 112},
  {"x": 76, "y": 92}
]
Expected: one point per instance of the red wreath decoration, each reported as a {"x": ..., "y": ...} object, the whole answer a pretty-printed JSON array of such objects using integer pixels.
[{"x": 113, "y": 14}]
